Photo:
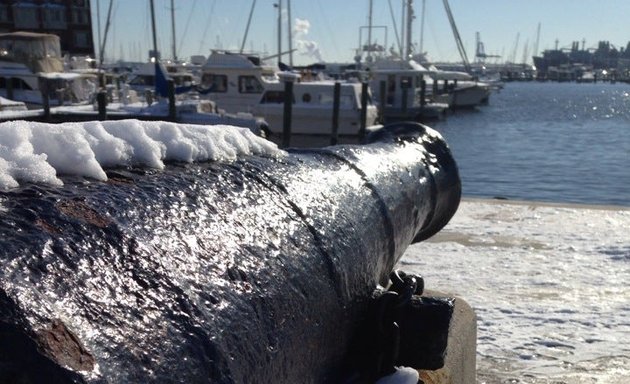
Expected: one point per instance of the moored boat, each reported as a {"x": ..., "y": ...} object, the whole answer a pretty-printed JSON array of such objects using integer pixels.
[
  {"x": 244, "y": 83},
  {"x": 31, "y": 69}
]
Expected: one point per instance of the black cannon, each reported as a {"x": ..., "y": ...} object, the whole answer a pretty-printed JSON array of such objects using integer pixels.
[{"x": 254, "y": 271}]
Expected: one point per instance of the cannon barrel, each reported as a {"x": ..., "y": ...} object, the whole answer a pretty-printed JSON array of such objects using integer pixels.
[{"x": 256, "y": 270}]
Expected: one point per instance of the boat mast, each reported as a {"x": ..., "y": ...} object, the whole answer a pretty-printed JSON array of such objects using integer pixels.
[
  {"x": 458, "y": 39},
  {"x": 279, "y": 5},
  {"x": 369, "y": 44},
  {"x": 537, "y": 40},
  {"x": 155, "y": 51},
  {"x": 403, "y": 35},
  {"x": 290, "y": 33},
  {"x": 98, "y": 25},
  {"x": 173, "y": 28},
  {"x": 421, "y": 47},
  {"x": 391, "y": 13},
  {"x": 249, "y": 21},
  {"x": 410, "y": 16},
  {"x": 102, "y": 50}
]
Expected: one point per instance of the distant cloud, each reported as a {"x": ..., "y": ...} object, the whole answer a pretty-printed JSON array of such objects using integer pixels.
[
  {"x": 305, "y": 47},
  {"x": 301, "y": 27}
]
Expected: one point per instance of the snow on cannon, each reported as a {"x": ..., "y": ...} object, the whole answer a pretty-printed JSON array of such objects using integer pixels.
[{"x": 155, "y": 252}]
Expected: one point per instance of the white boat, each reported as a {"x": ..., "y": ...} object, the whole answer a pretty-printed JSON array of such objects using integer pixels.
[
  {"x": 143, "y": 79},
  {"x": 188, "y": 109},
  {"x": 191, "y": 111},
  {"x": 398, "y": 89},
  {"x": 457, "y": 89},
  {"x": 7, "y": 105},
  {"x": 243, "y": 83},
  {"x": 31, "y": 65}
]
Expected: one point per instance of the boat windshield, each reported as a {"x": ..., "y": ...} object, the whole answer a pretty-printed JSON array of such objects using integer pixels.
[{"x": 26, "y": 47}]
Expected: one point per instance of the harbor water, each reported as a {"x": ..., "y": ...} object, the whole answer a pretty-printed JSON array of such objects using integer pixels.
[
  {"x": 559, "y": 142},
  {"x": 547, "y": 278}
]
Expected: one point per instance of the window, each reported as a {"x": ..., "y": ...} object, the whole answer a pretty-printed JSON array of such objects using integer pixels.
[
  {"x": 405, "y": 82},
  {"x": 81, "y": 39},
  {"x": 20, "y": 84},
  {"x": 214, "y": 83},
  {"x": 142, "y": 80},
  {"x": 328, "y": 99},
  {"x": 16, "y": 83},
  {"x": 4, "y": 14},
  {"x": 249, "y": 84},
  {"x": 273, "y": 97},
  {"x": 54, "y": 16},
  {"x": 325, "y": 98},
  {"x": 25, "y": 15},
  {"x": 80, "y": 16},
  {"x": 306, "y": 98}
]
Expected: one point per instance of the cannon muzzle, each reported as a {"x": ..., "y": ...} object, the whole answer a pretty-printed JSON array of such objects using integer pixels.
[{"x": 254, "y": 270}]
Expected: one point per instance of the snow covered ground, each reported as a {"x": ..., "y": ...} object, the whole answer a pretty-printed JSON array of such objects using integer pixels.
[{"x": 549, "y": 283}]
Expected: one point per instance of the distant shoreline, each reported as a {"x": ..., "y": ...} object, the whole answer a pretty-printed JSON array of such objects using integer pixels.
[{"x": 490, "y": 200}]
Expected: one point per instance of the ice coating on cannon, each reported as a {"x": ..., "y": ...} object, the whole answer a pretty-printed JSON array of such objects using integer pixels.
[{"x": 254, "y": 267}]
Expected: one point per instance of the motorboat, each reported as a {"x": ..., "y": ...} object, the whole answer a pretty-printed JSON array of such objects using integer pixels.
[
  {"x": 401, "y": 92},
  {"x": 144, "y": 78},
  {"x": 188, "y": 108},
  {"x": 457, "y": 89},
  {"x": 31, "y": 67},
  {"x": 245, "y": 83}
]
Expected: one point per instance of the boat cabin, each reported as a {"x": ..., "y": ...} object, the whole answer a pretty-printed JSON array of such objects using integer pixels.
[{"x": 30, "y": 60}]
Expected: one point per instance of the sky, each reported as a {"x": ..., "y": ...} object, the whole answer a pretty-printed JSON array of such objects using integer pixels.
[{"x": 329, "y": 30}]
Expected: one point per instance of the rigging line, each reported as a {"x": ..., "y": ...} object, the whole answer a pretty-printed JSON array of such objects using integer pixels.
[
  {"x": 391, "y": 12},
  {"x": 205, "y": 31},
  {"x": 181, "y": 41}
]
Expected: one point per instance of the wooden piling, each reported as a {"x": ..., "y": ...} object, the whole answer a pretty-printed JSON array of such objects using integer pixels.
[
  {"x": 423, "y": 92},
  {"x": 364, "y": 97},
  {"x": 406, "y": 85},
  {"x": 382, "y": 100},
  {"x": 288, "y": 110},
  {"x": 9, "y": 81},
  {"x": 172, "y": 111},
  {"x": 335, "y": 119},
  {"x": 101, "y": 100},
  {"x": 43, "y": 88}
]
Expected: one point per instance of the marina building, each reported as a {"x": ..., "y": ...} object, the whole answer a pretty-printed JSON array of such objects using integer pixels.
[{"x": 68, "y": 19}]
